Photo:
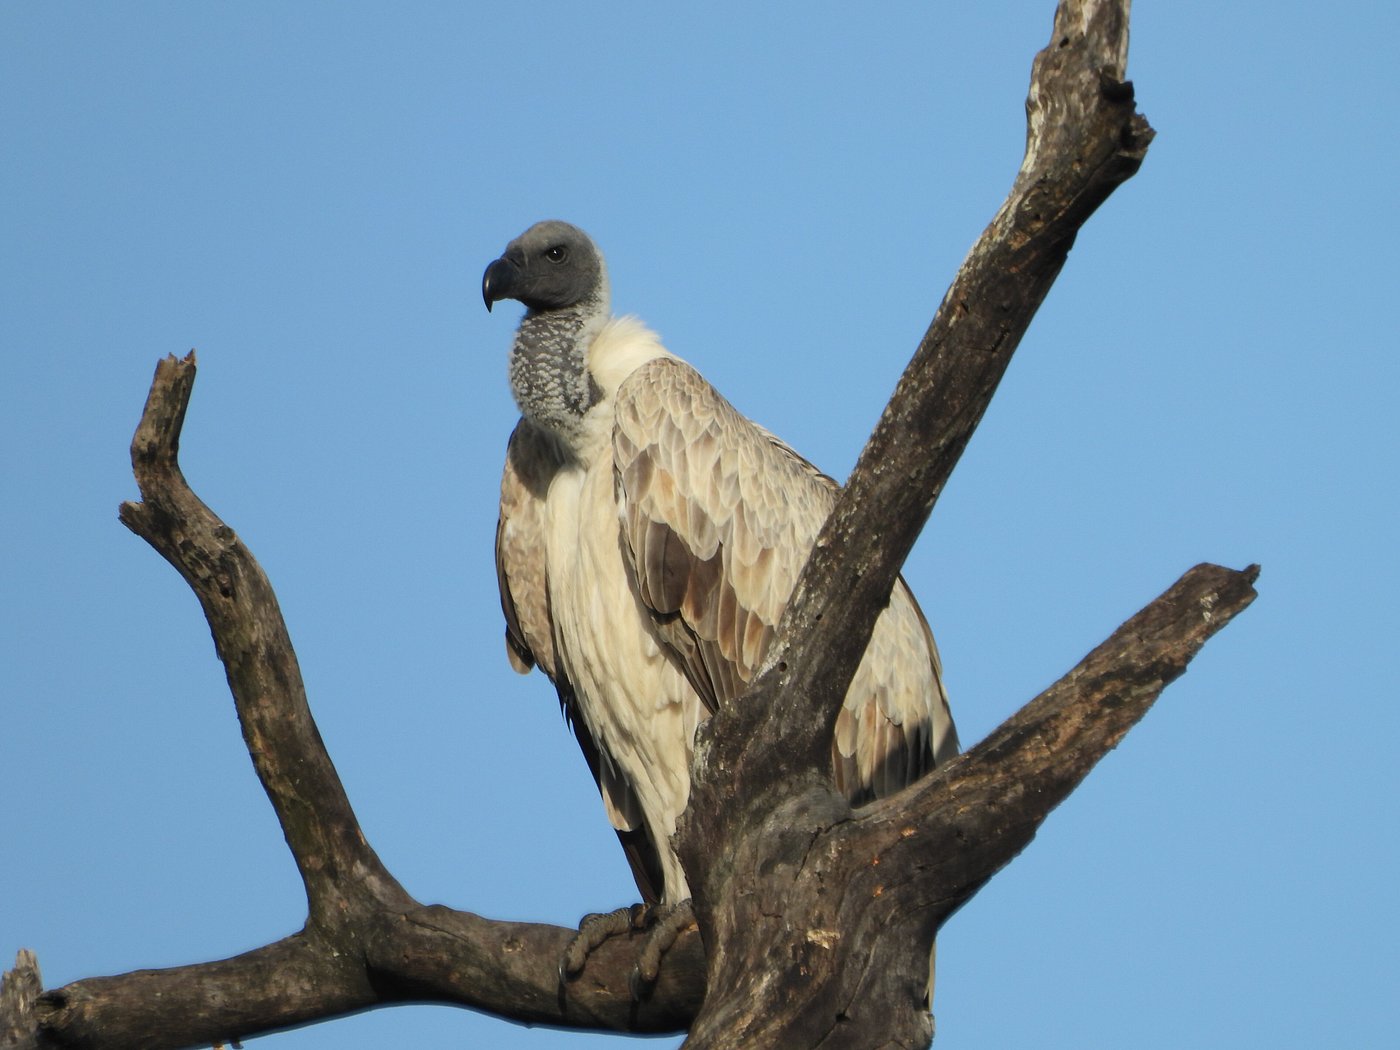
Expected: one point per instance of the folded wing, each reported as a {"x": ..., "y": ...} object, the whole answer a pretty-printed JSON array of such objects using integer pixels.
[{"x": 718, "y": 518}]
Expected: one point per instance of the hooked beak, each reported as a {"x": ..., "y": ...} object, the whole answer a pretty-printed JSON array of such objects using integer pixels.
[{"x": 498, "y": 282}]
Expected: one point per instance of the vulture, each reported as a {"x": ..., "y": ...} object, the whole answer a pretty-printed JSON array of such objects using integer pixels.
[{"x": 649, "y": 539}]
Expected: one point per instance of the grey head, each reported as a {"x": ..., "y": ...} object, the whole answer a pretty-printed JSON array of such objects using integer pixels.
[
  {"x": 551, "y": 266},
  {"x": 555, "y": 270}
]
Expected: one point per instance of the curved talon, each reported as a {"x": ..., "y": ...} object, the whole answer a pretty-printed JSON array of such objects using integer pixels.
[
  {"x": 668, "y": 924},
  {"x": 596, "y": 928}
]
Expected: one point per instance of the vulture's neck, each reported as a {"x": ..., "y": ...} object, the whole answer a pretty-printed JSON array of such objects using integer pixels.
[{"x": 549, "y": 367}]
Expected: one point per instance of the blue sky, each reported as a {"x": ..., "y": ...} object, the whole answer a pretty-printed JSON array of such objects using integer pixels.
[{"x": 308, "y": 194}]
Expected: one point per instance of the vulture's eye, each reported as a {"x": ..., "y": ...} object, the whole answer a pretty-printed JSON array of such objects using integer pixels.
[{"x": 557, "y": 254}]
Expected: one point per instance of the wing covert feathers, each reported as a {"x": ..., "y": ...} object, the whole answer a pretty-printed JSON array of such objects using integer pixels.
[{"x": 718, "y": 518}]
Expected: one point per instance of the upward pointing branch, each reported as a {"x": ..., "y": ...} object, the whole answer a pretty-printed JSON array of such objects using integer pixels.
[
  {"x": 252, "y": 641},
  {"x": 1084, "y": 138}
]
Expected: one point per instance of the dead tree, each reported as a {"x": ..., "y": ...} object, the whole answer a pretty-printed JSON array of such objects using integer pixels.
[{"x": 815, "y": 920}]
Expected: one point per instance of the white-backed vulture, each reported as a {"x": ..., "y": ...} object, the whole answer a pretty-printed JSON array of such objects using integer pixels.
[{"x": 649, "y": 538}]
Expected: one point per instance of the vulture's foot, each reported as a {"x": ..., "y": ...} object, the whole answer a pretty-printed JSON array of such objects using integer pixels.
[
  {"x": 594, "y": 929},
  {"x": 667, "y": 923},
  {"x": 663, "y": 924}
]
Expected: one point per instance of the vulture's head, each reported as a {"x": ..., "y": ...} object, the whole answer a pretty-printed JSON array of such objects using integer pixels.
[{"x": 551, "y": 266}]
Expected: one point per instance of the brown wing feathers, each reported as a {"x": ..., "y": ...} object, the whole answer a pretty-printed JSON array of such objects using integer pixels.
[{"x": 718, "y": 517}]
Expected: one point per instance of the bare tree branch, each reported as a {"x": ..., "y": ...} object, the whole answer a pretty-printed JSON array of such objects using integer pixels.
[
  {"x": 851, "y": 901},
  {"x": 954, "y": 829},
  {"x": 252, "y": 641},
  {"x": 817, "y": 920},
  {"x": 1038, "y": 756},
  {"x": 424, "y": 954},
  {"x": 1083, "y": 140},
  {"x": 762, "y": 800},
  {"x": 366, "y": 941}
]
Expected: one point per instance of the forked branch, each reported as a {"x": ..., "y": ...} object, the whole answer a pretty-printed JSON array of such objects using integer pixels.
[
  {"x": 366, "y": 941},
  {"x": 778, "y": 862}
]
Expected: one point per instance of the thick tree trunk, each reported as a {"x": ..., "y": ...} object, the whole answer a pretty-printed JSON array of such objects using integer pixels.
[{"x": 817, "y": 920}]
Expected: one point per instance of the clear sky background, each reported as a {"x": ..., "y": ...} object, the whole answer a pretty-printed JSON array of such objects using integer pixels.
[{"x": 308, "y": 194}]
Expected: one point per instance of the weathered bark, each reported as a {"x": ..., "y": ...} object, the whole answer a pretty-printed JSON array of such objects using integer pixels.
[
  {"x": 817, "y": 919},
  {"x": 366, "y": 941},
  {"x": 850, "y": 901},
  {"x": 761, "y": 797},
  {"x": 18, "y": 992},
  {"x": 1083, "y": 139},
  {"x": 421, "y": 954}
]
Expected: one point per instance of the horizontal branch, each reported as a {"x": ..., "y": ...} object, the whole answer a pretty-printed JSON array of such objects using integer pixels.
[
  {"x": 423, "y": 954},
  {"x": 278, "y": 986}
]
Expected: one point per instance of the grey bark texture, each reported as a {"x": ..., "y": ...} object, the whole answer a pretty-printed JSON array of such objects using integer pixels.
[{"x": 815, "y": 921}]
